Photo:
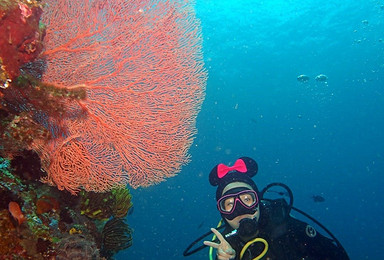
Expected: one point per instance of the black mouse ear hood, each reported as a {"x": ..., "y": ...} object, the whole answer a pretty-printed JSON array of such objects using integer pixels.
[
  {"x": 242, "y": 171},
  {"x": 243, "y": 166}
]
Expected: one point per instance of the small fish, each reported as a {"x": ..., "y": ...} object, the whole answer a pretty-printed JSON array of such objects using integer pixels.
[
  {"x": 15, "y": 211},
  {"x": 318, "y": 198},
  {"x": 303, "y": 78},
  {"x": 321, "y": 78}
]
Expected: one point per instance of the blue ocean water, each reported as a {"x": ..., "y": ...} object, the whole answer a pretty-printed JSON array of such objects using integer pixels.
[{"x": 320, "y": 138}]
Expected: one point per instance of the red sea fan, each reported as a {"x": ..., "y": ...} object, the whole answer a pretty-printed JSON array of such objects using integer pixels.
[{"x": 141, "y": 64}]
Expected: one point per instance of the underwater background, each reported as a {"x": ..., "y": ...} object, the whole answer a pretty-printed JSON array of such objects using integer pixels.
[{"x": 320, "y": 138}]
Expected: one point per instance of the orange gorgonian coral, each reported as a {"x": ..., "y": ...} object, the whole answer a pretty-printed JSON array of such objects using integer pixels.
[{"x": 141, "y": 64}]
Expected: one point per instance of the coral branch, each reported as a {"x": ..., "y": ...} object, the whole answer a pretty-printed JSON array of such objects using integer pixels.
[{"x": 141, "y": 64}]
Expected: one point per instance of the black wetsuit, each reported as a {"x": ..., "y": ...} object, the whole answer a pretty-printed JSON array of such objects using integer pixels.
[{"x": 287, "y": 237}]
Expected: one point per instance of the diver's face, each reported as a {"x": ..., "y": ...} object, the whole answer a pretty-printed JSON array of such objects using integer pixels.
[{"x": 235, "y": 222}]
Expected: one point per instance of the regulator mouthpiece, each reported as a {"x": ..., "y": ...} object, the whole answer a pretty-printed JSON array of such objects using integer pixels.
[{"x": 248, "y": 227}]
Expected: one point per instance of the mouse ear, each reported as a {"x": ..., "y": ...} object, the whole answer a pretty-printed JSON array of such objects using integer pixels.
[
  {"x": 243, "y": 165},
  {"x": 213, "y": 177},
  {"x": 252, "y": 166}
]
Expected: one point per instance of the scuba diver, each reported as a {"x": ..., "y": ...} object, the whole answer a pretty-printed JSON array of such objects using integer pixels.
[{"x": 260, "y": 228}]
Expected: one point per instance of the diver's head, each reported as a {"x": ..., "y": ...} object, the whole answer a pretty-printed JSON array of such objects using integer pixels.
[{"x": 236, "y": 194}]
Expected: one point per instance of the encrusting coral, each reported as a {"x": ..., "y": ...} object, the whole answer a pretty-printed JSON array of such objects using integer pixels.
[
  {"x": 52, "y": 221},
  {"x": 25, "y": 101}
]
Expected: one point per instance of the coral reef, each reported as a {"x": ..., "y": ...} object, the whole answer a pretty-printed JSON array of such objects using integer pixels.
[
  {"x": 21, "y": 37},
  {"x": 77, "y": 246},
  {"x": 112, "y": 100},
  {"x": 27, "y": 165},
  {"x": 45, "y": 223},
  {"x": 37, "y": 221},
  {"x": 105, "y": 99},
  {"x": 10, "y": 242},
  {"x": 24, "y": 100}
]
